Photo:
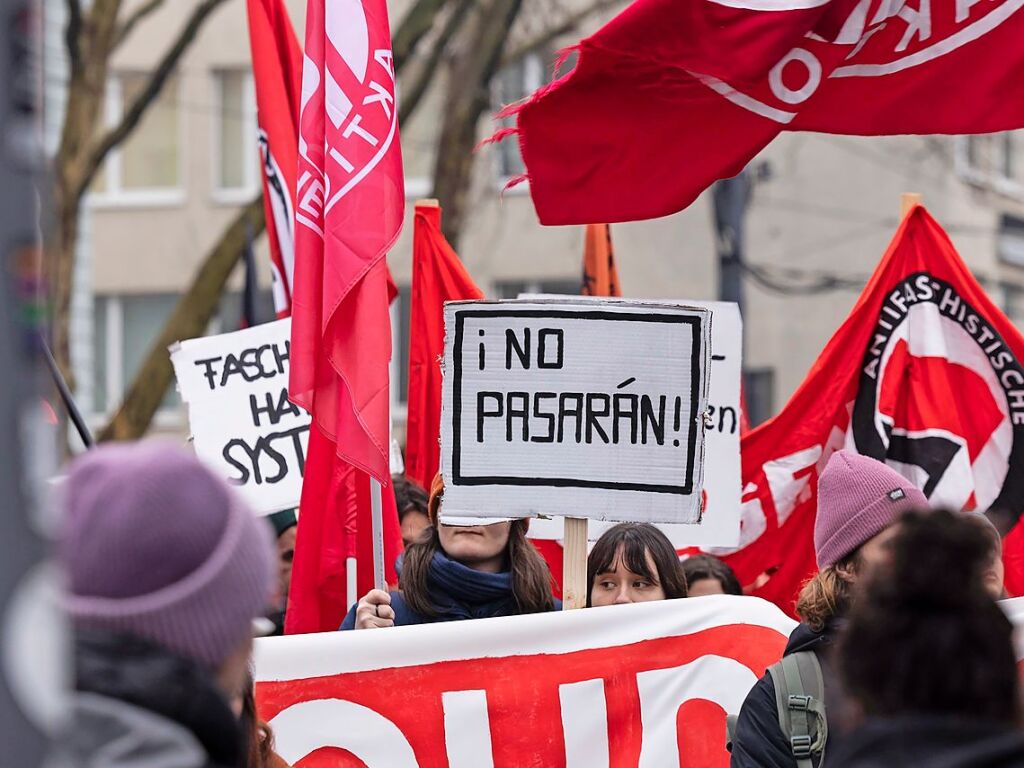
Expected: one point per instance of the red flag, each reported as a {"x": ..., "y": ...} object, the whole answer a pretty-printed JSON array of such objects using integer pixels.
[
  {"x": 437, "y": 276},
  {"x": 600, "y": 275},
  {"x": 350, "y": 204},
  {"x": 925, "y": 374},
  {"x": 701, "y": 86},
  {"x": 277, "y": 76}
]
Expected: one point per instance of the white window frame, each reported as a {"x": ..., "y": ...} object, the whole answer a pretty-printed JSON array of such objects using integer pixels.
[
  {"x": 115, "y": 196},
  {"x": 989, "y": 175},
  {"x": 219, "y": 193},
  {"x": 1004, "y": 182}
]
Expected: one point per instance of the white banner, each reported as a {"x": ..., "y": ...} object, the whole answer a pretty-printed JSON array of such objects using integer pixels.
[
  {"x": 720, "y": 521},
  {"x": 243, "y": 425},
  {"x": 574, "y": 409}
]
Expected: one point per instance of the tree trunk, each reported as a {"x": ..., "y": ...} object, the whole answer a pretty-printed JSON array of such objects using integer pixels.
[
  {"x": 190, "y": 318},
  {"x": 468, "y": 98}
]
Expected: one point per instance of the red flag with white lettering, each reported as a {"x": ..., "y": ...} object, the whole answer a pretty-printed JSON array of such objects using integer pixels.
[
  {"x": 700, "y": 86},
  {"x": 350, "y": 203},
  {"x": 926, "y": 375}
]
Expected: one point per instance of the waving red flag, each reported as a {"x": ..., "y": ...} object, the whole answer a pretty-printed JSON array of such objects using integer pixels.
[
  {"x": 700, "y": 86},
  {"x": 437, "y": 276},
  {"x": 925, "y": 374},
  {"x": 350, "y": 204}
]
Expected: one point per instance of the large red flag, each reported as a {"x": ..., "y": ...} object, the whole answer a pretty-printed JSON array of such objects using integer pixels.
[
  {"x": 925, "y": 374},
  {"x": 277, "y": 76},
  {"x": 437, "y": 276},
  {"x": 350, "y": 204},
  {"x": 700, "y": 86}
]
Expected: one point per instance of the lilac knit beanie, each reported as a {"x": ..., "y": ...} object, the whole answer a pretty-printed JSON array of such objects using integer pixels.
[
  {"x": 155, "y": 545},
  {"x": 858, "y": 498}
]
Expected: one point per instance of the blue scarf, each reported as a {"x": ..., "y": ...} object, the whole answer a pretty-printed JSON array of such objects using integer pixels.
[{"x": 459, "y": 592}]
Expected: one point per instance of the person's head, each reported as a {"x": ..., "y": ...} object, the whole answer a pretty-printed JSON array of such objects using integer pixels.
[
  {"x": 633, "y": 563},
  {"x": 498, "y": 547},
  {"x": 707, "y": 575},
  {"x": 995, "y": 572},
  {"x": 285, "y": 525},
  {"x": 411, "y": 500},
  {"x": 860, "y": 501},
  {"x": 925, "y": 635},
  {"x": 155, "y": 546}
]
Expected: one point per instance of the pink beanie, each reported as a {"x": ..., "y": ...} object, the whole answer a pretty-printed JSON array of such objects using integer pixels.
[
  {"x": 155, "y": 545},
  {"x": 858, "y": 498}
]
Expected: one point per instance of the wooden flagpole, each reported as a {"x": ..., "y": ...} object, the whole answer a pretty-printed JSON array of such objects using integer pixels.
[
  {"x": 574, "y": 563},
  {"x": 907, "y": 202}
]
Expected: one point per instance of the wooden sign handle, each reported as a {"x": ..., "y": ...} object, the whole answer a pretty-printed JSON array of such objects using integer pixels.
[{"x": 574, "y": 564}]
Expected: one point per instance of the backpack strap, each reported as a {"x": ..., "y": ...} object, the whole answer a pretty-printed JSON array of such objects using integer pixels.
[{"x": 800, "y": 700}]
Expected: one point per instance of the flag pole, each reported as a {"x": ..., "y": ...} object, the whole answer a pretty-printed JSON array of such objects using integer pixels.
[
  {"x": 907, "y": 202},
  {"x": 574, "y": 564},
  {"x": 377, "y": 531}
]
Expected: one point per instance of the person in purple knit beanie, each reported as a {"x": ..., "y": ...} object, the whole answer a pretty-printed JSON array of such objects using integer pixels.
[
  {"x": 166, "y": 568},
  {"x": 860, "y": 504}
]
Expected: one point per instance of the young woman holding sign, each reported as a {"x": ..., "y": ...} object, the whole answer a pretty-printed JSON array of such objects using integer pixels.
[
  {"x": 633, "y": 563},
  {"x": 460, "y": 572}
]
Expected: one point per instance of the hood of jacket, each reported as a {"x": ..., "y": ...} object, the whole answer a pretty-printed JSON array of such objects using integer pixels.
[
  {"x": 930, "y": 741},
  {"x": 804, "y": 638},
  {"x": 137, "y": 706}
]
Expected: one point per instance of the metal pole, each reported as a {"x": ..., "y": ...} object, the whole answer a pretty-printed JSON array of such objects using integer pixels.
[
  {"x": 731, "y": 199},
  {"x": 66, "y": 396},
  {"x": 377, "y": 530}
]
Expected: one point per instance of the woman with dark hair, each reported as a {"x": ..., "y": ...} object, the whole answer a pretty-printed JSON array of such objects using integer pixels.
[
  {"x": 452, "y": 573},
  {"x": 945, "y": 691},
  {"x": 259, "y": 738},
  {"x": 707, "y": 575},
  {"x": 633, "y": 563}
]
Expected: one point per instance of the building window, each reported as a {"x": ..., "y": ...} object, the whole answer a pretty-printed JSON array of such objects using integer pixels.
[
  {"x": 994, "y": 161},
  {"x": 1013, "y": 303},
  {"x": 759, "y": 394},
  {"x": 1009, "y": 148},
  {"x": 514, "y": 83},
  {"x": 235, "y": 150},
  {"x": 125, "y": 329},
  {"x": 147, "y": 166}
]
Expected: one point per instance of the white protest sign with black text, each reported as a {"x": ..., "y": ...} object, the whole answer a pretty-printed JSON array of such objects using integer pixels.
[
  {"x": 574, "y": 409},
  {"x": 720, "y": 523},
  {"x": 243, "y": 425}
]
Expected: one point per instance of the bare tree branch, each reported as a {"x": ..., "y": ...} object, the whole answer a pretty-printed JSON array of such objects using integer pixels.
[
  {"x": 129, "y": 24},
  {"x": 417, "y": 89},
  {"x": 549, "y": 35},
  {"x": 73, "y": 33},
  {"x": 414, "y": 25},
  {"x": 189, "y": 319},
  {"x": 133, "y": 114}
]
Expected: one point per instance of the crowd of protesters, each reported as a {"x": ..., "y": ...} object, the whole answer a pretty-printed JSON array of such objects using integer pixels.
[{"x": 902, "y": 656}]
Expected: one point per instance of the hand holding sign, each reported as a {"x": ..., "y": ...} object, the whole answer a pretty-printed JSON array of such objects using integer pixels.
[{"x": 574, "y": 409}]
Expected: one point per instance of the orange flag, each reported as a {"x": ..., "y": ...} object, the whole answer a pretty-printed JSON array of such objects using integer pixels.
[
  {"x": 437, "y": 276},
  {"x": 600, "y": 277}
]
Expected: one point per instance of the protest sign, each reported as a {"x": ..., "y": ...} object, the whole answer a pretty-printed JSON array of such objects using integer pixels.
[
  {"x": 243, "y": 424},
  {"x": 720, "y": 519},
  {"x": 645, "y": 685},
  {"x": 574, "y": 409}
]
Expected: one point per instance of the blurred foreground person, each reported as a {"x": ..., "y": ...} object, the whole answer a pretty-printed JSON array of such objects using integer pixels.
[
  {"x": 285, "y": 526},
  {"x": 707, "y": 575},
  {"x": 945, "y": 690},
  {"x": 166, "y": 570},
  {"x": 994, "y": 574},
  {"x": 460, "y": 572},
  {"x": 860, "y": 502},
  {"x": 258, "y": 736},
  {"x": 633, "y": 563}
]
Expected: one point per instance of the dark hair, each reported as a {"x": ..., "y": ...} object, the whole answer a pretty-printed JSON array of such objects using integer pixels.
[
  {"x": 409, "y": 496},
  {"x": 258, "y": 743},
  {"x": 531, "y": 579},
  {"x": 700, "y": 567},
  {"x": 637, "y": 540},
  {"x": 925, "y": 637}
]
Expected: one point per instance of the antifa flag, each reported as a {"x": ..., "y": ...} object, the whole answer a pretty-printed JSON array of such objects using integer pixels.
[
  {"x": 350, "y": 202},
  {"x": 277, "y": 75},
  {"x": 437, "y": 276},
  {"x": 701, "y": 86},
  {"x": 926, "y": 375}
]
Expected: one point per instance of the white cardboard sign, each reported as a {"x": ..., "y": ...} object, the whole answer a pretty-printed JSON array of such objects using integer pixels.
[
  {"x": 574, "y": 409},
  {"x": 720, "y": 524},
  {"x": 243, "y": 425}
]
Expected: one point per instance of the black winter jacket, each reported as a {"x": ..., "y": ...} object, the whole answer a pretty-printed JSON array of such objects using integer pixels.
[
  {"x": 929, "y": 741},
  {"x": 137, "y": 706},
  {"x": 758, "y": 741}
]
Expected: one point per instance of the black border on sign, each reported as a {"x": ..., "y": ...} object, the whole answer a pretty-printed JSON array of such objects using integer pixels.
[{"x": 458, "y": 478}]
